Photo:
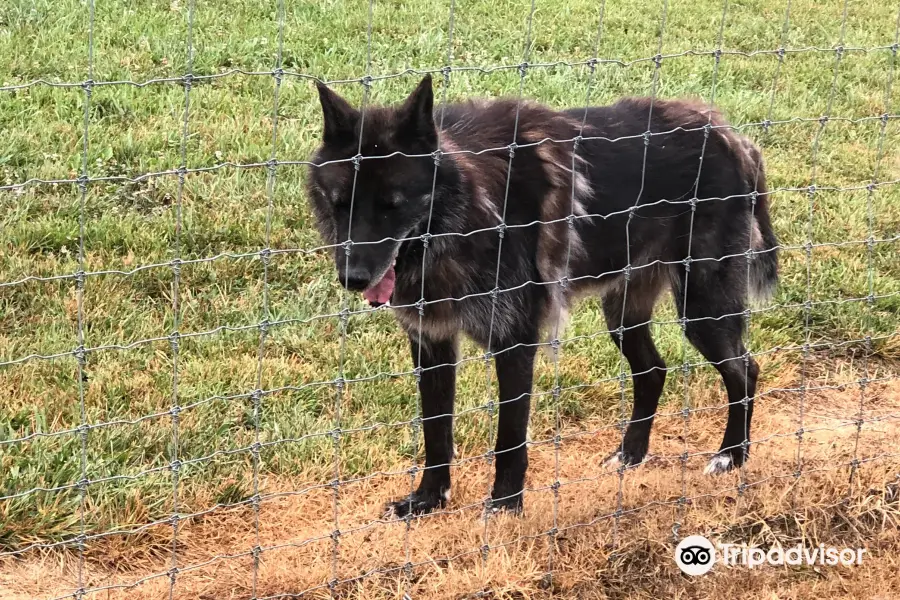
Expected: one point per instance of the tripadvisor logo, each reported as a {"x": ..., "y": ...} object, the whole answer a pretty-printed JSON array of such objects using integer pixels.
[{"x": 696, "y": 555}]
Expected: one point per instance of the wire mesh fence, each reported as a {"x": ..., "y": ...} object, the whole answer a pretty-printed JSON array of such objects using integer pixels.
[{"x": 345, "y": 543}]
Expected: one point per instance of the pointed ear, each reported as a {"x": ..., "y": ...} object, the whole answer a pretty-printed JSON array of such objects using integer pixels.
[
  {"x": 415, "y": 118},
  {"x": 340, "y": 118}
]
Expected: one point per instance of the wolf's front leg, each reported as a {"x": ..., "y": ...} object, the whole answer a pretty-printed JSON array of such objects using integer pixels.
[
  {"x": 437, "y": 384},
  {"x": 515, "y": 369}
]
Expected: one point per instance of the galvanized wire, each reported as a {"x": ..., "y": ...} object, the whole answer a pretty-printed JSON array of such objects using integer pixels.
[
  {"x": 339, "y": 432},
  {"x": 175, "y": 409}
]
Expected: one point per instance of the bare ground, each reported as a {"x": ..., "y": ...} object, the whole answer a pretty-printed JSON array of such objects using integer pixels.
[{"x": 615, "y": 530}]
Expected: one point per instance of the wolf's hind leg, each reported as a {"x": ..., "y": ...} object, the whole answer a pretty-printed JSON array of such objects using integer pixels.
[{"x": 632, "y": 309}]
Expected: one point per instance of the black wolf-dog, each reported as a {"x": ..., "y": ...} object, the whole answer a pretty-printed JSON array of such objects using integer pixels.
[{"x": 499, "y": 253}]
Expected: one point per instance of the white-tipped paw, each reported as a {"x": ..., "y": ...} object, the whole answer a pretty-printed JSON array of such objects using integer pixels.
[
  {"x": 720, "y": 463},
  {"x": 619, "y": 459},
  {"x": 613, "y": 461}
]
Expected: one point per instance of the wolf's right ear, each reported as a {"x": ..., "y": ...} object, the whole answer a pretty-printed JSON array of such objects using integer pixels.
[
  {"x": 415, "y": 118},
  {"x": 340, "y": 118}
]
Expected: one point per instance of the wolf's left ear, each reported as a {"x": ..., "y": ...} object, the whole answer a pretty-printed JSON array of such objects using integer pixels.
[
  {"x": 416, "y": 115},
  {"x": 339, "y": 117}
]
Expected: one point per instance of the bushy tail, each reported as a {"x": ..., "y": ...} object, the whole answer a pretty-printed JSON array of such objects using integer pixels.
[{"x": 764, "y": 262}]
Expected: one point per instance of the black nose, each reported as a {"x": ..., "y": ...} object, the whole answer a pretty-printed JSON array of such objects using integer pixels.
[{"x": 355, "y": 280}]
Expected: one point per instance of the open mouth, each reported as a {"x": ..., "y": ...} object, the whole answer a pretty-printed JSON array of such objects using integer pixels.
[{"x": 380, "y": 292}]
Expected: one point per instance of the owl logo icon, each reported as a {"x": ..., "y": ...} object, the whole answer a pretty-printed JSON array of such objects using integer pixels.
[{"x": 695, "y": 555}]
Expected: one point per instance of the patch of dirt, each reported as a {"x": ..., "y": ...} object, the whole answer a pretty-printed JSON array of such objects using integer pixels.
[{"x": 613, "y": 530}]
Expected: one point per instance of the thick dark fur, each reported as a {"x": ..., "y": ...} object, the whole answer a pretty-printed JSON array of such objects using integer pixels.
[{"x": 630, "y": 207}]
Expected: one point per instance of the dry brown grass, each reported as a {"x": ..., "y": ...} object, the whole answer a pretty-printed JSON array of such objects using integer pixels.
[{"x": 595, "y": 555}]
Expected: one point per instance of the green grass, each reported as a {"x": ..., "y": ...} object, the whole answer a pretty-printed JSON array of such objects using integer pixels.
[{"x": 138, "y": 130}]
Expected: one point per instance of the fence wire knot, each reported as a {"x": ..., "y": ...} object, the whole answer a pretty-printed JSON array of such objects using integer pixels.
[{"x": 174, "y": 338}]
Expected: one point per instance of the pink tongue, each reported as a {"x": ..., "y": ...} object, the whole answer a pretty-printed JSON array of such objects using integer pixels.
[{"x": 381, "y": 292}]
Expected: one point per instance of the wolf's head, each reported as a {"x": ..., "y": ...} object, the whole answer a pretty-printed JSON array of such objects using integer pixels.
[{"x": 380, "y": 198}]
